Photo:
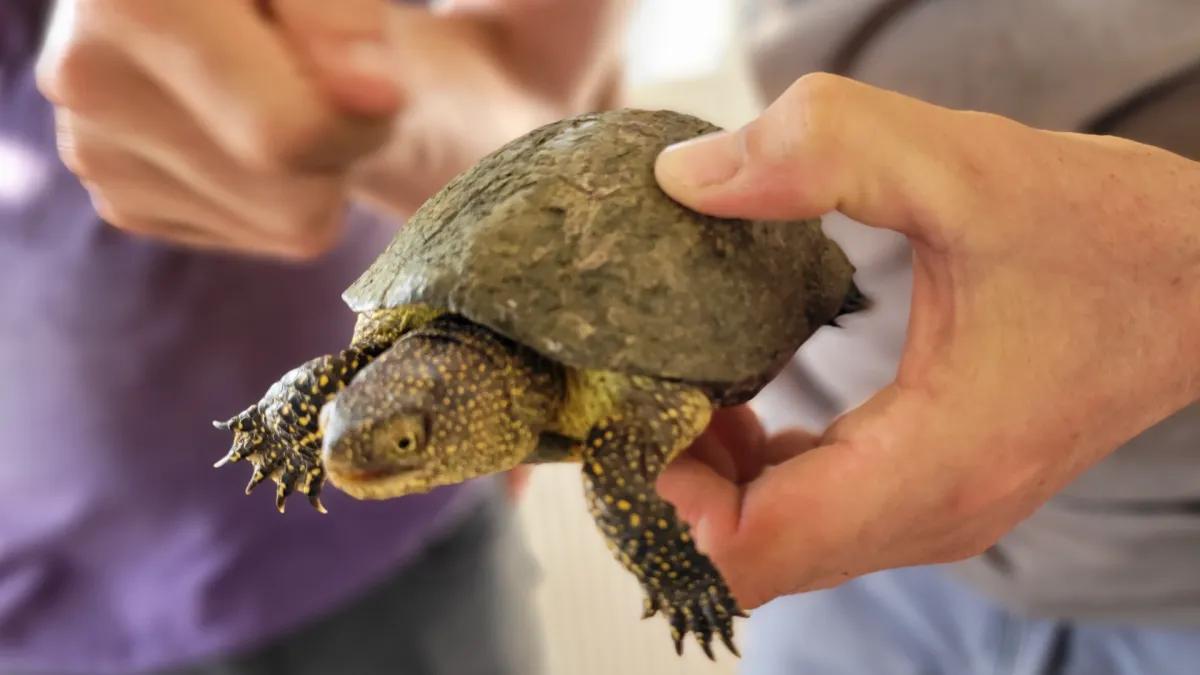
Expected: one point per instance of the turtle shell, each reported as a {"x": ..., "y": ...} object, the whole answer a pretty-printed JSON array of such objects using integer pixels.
[{"x": 563, "y": 241}]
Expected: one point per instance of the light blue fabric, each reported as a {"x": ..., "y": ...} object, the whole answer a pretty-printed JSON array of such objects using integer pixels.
[{"x": 920, "y": 621}]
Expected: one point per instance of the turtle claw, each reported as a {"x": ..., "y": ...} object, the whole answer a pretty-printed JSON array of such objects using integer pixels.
[
  {"x": 705, "y": 641},
  {"x": 277, "y": 452},
  {"x": 649, "y": 609},
  {"x": 257, "y": 478},
  {"x": 703, "y": 616}
]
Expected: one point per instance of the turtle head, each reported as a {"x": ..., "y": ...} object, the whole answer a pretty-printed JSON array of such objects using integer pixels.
[
  {"x": 380, "y": 452},
  {"x": 421, "y": 416}
]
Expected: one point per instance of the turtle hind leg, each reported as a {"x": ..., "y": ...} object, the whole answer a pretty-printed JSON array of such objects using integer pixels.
[
  {"x": 624, "y": 454},
  {"x": 281, "y": 435}
]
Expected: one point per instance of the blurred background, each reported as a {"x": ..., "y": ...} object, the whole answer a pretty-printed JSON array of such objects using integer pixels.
[{"x": 682, "y": 55}]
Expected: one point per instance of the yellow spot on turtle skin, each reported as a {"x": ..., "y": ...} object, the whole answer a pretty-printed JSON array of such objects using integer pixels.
[
  {"x": 663, "y": 523},
  {"x": 608, "y": 499},
  {"x": 634, "y": 520},
  {"x": 314, "y": 390},
  {"x": 624, "y": 505},
  {"x": 323, "y": 380},
  {"x": 683, "y": 536},
  {"x": 597, "y": 469}
]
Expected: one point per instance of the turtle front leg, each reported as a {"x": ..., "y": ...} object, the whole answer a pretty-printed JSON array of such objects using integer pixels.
[
  {"x": 281, "y": 436},
  {"x": 625, "y": 453}
]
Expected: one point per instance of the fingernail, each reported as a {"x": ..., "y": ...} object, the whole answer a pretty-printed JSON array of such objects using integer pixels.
[{"x": 704, "y": 161}]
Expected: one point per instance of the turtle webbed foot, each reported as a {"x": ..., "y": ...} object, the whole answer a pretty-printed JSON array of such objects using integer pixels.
[{"x": 292, "y": 463}]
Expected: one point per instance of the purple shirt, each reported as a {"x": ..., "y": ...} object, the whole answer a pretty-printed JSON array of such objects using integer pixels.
[{"x": 121, "y": 548}]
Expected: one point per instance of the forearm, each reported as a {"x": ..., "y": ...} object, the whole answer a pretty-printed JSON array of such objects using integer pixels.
[{"x": 470, "y": 90}]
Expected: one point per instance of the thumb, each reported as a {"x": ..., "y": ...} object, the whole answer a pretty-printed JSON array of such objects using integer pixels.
[
  {"x": 346, "y": 45},
  {"x": 828, "y": 143}
]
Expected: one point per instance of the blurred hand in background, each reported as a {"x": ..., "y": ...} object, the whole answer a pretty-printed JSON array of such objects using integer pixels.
[{"x": 244, "y": 126}]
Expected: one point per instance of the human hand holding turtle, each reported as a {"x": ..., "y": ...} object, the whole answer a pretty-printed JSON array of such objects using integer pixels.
[{"x": 1054, "y": 316}]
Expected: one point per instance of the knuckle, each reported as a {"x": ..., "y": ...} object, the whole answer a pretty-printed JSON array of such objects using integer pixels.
[
  {"x": 63, "y": 75},
  {"x": 800, "y": 126},
  {"x": 818, "y": 99},
  {"x": 817, "y": 88},
  {"x": 78, "y": 44},
  {"x": 814, "y": 107}
]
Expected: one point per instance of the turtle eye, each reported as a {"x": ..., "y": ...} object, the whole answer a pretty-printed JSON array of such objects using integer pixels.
[{"x": 409, "y": 434}]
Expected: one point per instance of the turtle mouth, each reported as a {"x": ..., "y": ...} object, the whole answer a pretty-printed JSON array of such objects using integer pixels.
[
  {"x": 375, "y": 475},
  {"x": 380, "y": 483}
]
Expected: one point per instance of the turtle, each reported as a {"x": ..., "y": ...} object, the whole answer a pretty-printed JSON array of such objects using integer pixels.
[{"x": 552, "y": 304}]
